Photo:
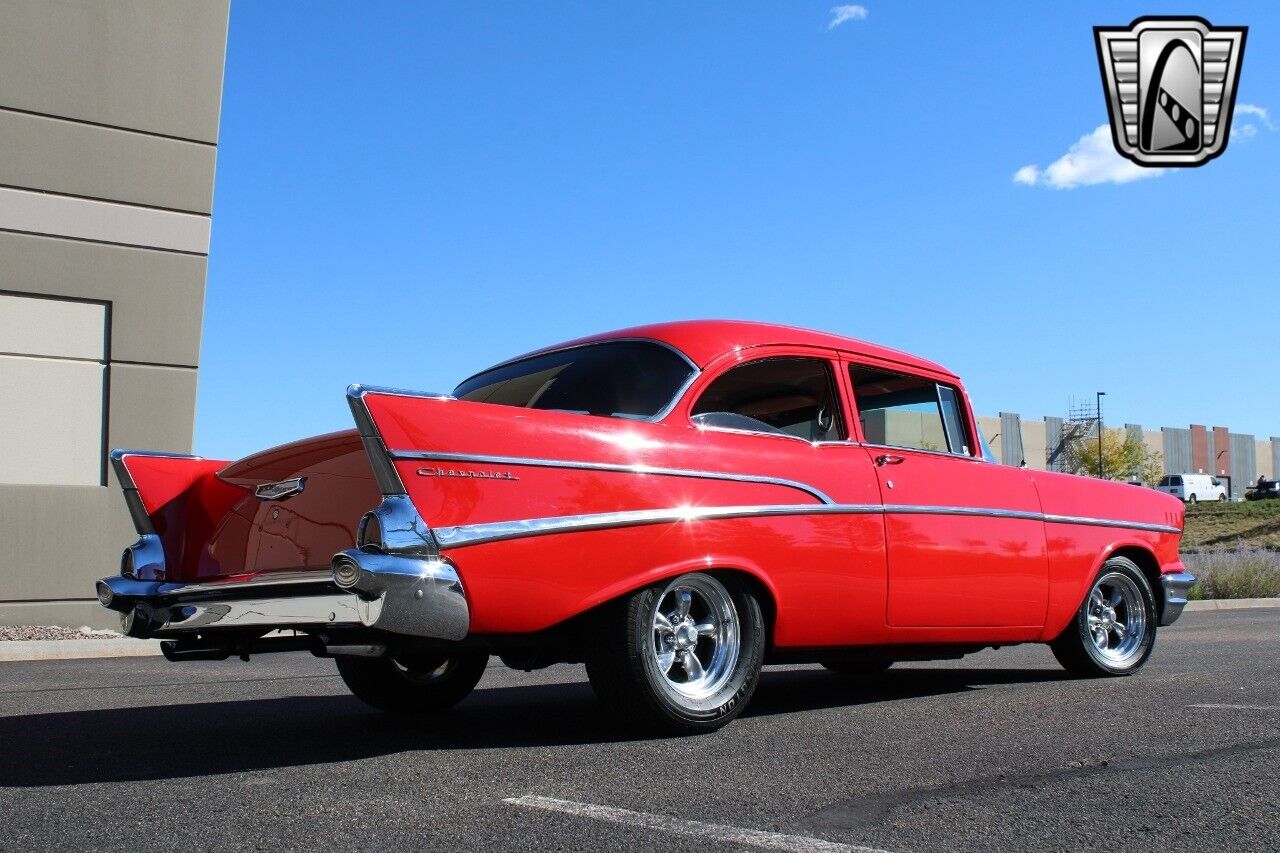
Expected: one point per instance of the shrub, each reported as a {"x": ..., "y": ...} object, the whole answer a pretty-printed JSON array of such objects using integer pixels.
[{"x": 1242, "y": 572}]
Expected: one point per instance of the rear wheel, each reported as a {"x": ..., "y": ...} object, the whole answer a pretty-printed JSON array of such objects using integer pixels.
[
  {"x": 1115, "y": 628},
  {"x": 413, "y": 685},
  {"x": 1192, "y": 499},
  {"x": 859, "y": 668},
  {"x": 681, "y": 656}
]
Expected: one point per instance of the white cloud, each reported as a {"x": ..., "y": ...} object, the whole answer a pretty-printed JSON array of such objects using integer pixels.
[
  {"x": 845, "y": 14},
  {"x": 1244, "y": 124},
  {"x": 1091, "y": 160},
  {"x": 1027, "y": 175},
  {"x": 1255, "y": 110}
]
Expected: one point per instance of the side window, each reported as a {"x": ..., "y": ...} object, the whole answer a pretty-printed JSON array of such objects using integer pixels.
[
  {"x": 897, "y": 410},
  {"x": 787, "y": 396}
]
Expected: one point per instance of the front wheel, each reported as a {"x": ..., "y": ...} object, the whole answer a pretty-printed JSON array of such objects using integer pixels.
[
  {"x": 1222, "y": 498},
  {"x": 682, "y": 656},
  {"x": 1114, "y": 630},
  {"x": 413, "y": 685}
]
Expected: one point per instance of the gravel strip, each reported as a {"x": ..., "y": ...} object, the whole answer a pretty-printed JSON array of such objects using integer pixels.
[{"x": 53, "y": 632}]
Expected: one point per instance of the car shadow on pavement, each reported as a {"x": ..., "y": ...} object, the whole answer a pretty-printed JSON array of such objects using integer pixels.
[{"x": 155, "y": 742}]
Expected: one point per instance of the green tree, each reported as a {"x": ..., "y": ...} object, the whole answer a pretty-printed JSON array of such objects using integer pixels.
[{"x": 1124, "y": 457}]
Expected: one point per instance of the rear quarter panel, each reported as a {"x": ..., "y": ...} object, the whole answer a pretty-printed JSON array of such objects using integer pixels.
[{"x": 826, "y": 573}]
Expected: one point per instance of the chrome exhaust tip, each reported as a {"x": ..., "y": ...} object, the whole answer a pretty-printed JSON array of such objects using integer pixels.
[{"x": 346, "y": 571}]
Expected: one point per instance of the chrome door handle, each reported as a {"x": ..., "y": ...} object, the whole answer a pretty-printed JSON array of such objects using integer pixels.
[{"x": 889, "y": 459}]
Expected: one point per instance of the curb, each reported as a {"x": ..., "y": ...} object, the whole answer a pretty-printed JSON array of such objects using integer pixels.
[
  {"x": 1233, "y": 603},
  {"x": 20, "y": 650}
]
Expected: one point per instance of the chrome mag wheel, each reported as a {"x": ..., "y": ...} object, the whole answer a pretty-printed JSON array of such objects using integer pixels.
[
  {"x": 1117, "y": 619},
  {"x": 696, "y": 637}
]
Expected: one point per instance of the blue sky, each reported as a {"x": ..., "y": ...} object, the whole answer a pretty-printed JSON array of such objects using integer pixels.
[{"x": 412, "y": 193}]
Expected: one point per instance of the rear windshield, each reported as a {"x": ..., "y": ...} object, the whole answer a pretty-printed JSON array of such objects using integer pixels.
[{"x": 621, "y": 379}]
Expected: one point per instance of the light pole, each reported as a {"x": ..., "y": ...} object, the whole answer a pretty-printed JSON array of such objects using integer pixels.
[{"x": 1101, "y": 394}]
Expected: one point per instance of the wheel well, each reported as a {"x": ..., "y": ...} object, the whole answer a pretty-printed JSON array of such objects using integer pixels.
[
  {"x": 1146, "y": 561},
  {"x": 748, "y": 581}
]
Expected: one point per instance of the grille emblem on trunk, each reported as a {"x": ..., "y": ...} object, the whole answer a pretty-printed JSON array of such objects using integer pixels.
[{"x": 281, "y": 490}]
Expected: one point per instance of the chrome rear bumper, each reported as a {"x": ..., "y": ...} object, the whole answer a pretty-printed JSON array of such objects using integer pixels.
[
  {"x": 400, "y": 594},
  {"x": 1176, "y": 586},
  {"x": 286, "y": 600}
]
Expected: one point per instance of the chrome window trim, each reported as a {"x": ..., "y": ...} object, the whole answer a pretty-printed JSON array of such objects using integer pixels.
[
  {"x": 658, "y": 416},
  {"x": 945, "y": 454},
  {"x": 479, "y": 534},
  {"x": 571, "y": 347},
  {"x": 634, "y": 468},
  {"x": 733, "y": 431}
]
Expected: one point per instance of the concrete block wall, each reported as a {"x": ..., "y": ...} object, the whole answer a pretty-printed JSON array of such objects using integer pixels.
[{"x": 108, "y": 139}]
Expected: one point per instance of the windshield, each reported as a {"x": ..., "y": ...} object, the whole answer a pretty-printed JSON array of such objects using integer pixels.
[{"x": 621, "y": 379}]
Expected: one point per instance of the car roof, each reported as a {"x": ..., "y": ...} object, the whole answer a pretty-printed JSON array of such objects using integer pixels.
[{"x": 705, "y": 340}]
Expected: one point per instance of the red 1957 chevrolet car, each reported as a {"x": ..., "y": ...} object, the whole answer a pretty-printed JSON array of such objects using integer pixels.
[{"x": 673, "y": 505}]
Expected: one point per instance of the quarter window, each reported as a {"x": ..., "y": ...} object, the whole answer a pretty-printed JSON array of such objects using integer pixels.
[
  {"x": 896, "y": 410},
  {"x": 787, "y": 396}
]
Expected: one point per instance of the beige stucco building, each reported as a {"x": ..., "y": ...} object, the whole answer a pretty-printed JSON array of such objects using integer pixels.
[{"x": 108, "y": 139}]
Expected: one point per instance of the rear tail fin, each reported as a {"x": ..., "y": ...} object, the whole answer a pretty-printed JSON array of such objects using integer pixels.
[{"x": 158, "y": 489}]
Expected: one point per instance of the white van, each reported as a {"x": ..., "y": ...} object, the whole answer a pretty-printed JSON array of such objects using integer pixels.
[{"x": 1193, "y": 487}]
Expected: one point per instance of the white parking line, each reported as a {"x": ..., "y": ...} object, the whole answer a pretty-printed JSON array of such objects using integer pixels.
[
  {"x": 1218, "y": 707},
  {"x": 689, "y": 828}
]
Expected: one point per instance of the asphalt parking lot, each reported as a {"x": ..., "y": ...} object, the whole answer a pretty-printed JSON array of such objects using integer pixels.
[{"x": 998, "y": 751}]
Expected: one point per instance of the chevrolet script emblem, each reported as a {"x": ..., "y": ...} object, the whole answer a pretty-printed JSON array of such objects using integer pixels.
[{"x": 1171, "y": 88}]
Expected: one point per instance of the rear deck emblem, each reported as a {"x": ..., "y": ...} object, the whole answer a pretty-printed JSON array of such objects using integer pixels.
[
  {"x": 1170, "y": 85},
  {"x": 281, "y": 490}
]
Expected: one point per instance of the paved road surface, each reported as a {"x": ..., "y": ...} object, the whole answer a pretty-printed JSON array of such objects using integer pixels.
[{"x": 1000, "y": 751}]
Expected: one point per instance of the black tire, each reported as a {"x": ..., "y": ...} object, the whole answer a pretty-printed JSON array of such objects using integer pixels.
[
  {"x": 628, "y": 653},
  {"x": 1077, "y": 648},
  {"x": 1222, "y": 498},
  {"x": 1192, "y": 499},
  {"x": 421, "y": 685},
  {"x": 859, "y": 668}
]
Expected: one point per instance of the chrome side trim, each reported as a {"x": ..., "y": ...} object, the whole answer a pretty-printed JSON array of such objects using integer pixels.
[
  {"x": 478, "y": 534},
  {"x": 1110, "y": 522},
  {"x": 137, "y": 510},
  {"x": 497, "y": 531},
  {"x": 919, "y": 509},
  {"x": 636, "y": 468},
  {"x": 1176, "y": 586}
]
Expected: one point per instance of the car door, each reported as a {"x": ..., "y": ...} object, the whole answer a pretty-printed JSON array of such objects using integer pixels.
[
  {"x": 965, "y": 537},
  {"x": 779, "y": 411}
]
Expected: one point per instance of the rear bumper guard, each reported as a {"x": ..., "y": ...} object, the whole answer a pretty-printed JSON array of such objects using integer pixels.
[{"x": 421, "y": 596}]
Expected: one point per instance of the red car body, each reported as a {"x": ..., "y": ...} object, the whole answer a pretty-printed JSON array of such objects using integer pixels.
[{"x": 546, "y": 515}]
